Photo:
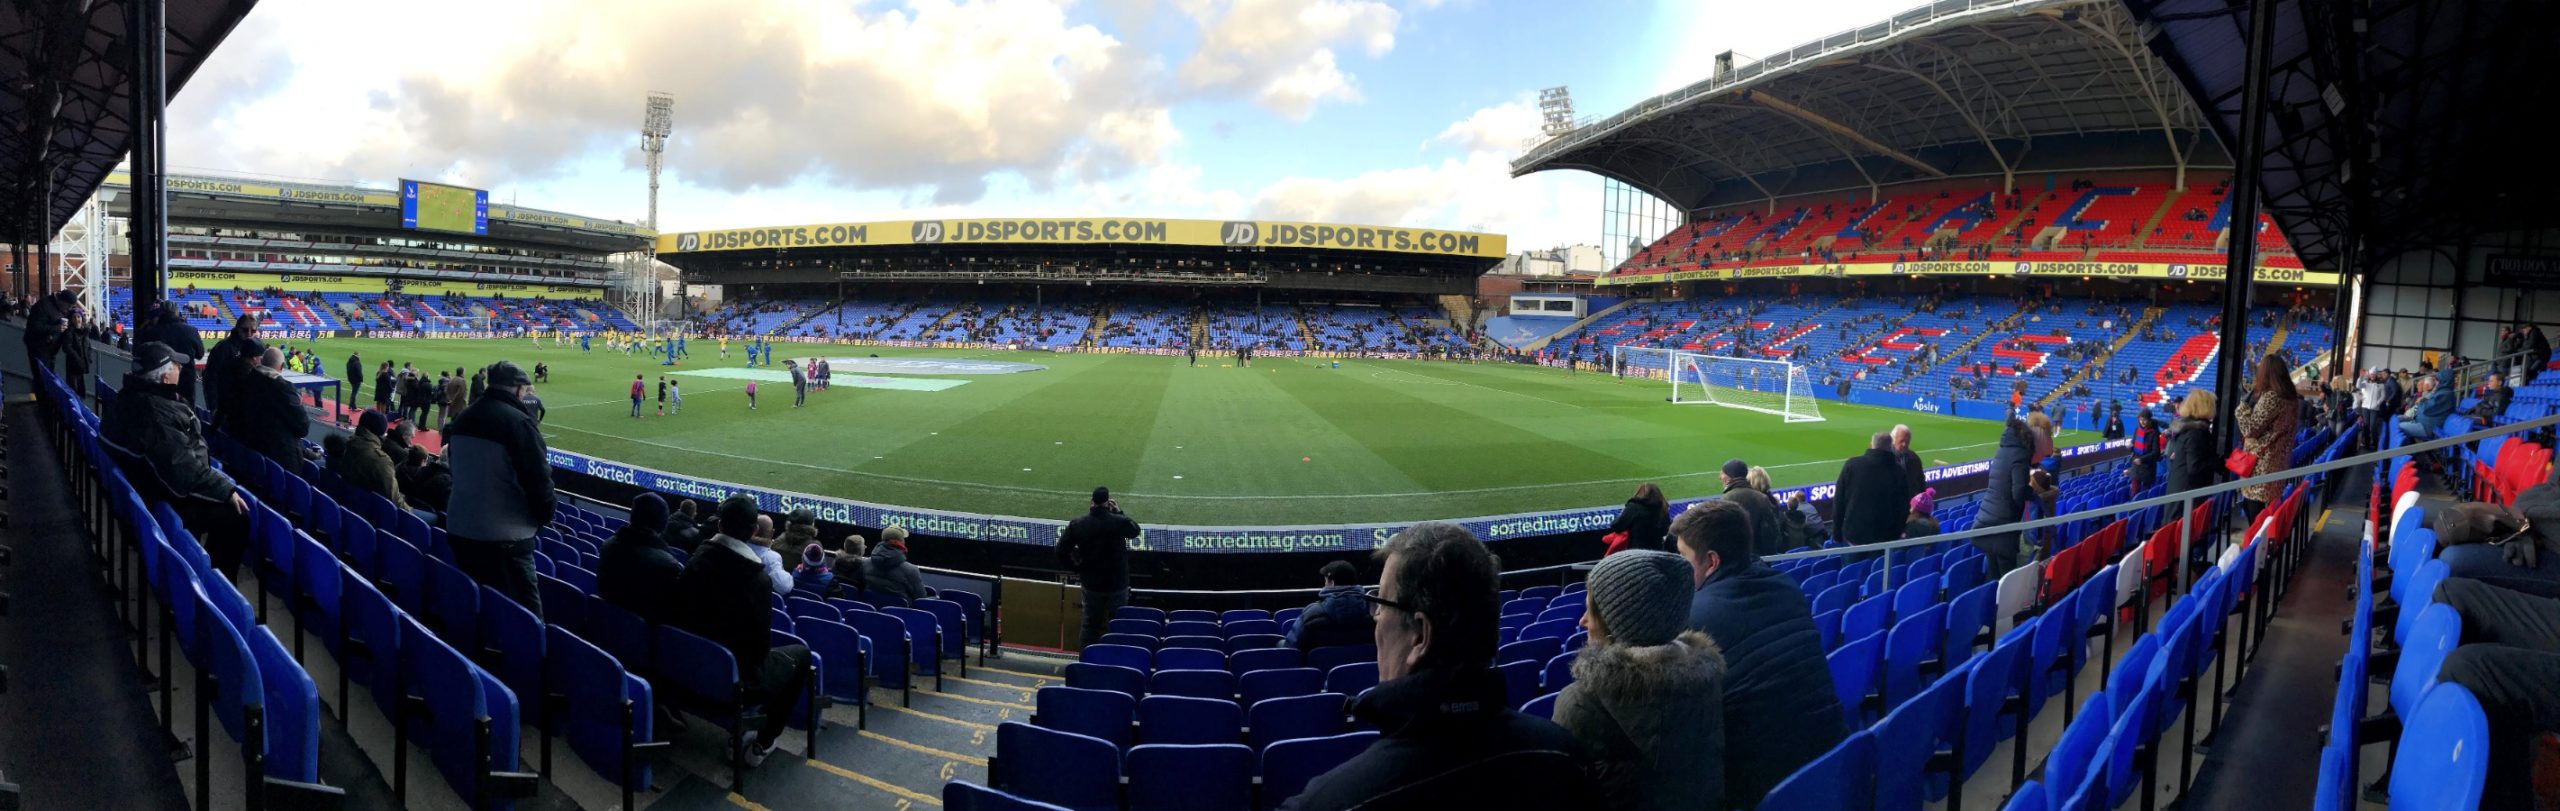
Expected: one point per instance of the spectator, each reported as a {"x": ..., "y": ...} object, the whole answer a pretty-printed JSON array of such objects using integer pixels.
[
  {"x": 887, "y": 570},
  {"x": 1873, "y": 492},
  {"x": 848, "y": 563},
  {"x": 426, "y": 480},
  {"x": 2493, "y": 400},
  {"x": 2193, "y": 461},
  {"x": 1923, "y": 520},
  {"x": 768, "y": 550},
  {"x": 150, "y": 420},
  {"x": 1777, "y": 680},
  {"x": 1646, "y": 520},
  {"x": 723, "y": 596},
  {"x": 384, "y": 386},
  {"x": 48, "y": 324},
  {"x": 634, "y": 571},
  {"x": 2268, "y": 419},
  {"x": 1096, "y": 548},
  {"x": 1448, "y": 739},
  {"x": 2509, "y": 660},
  {"x": 1647, "y": 695},
  {"x": 2435, "y": 402},
  {"x": 1913, "y": 475},
  {"x": 229, "y": 359},
  {"x": 364, "y": 465},
  {"x": 2113, "y": 428},
  {"x": 181, "y": 337},
  {"x": 1799, "y": 525},
  {"x": 453, "y": 399},
  {"x": 1765, "y": 534},
  {"x": 816, "y": 572},
  {"x": 270, "y": 419},
  {"x": 1338, "y": 616},
  {"x": 400, "y": 439},
  {"x": 635, "y": 395},
  {"x": 2148, "y": 446},
  {"x": 502, "y": 487},
  {"x": 684, "y": 531},
  {"x": 355, "y": 380}
]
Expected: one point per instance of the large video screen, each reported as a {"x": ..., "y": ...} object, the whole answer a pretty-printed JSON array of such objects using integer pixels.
[{"x": 438, "y": 207}]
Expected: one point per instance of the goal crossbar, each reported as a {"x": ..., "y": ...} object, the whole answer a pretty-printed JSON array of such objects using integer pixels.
[{"x": 1765, "y": 386}]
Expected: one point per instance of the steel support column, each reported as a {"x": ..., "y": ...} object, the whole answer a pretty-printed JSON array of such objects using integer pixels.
[
  {"x": 146, "y": 29},
  {"x": 2241, "y": 270}
]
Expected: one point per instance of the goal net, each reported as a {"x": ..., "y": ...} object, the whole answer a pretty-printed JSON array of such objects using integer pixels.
[{"x": 1766, "y": 386}]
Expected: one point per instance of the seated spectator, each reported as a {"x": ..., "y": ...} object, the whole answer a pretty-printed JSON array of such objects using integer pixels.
[
  {"x": 776, "y": 575},
  {"x": 2510, "y": 661},
  {"x": 634, "y": 571},
  {"x": 1923, "y": 520},
  {"x": 1646, "y": 697},
  {"x": 1765, "y": 532},
  {"x": 887, "y": 571},
  {"x": 847, "y": 564},
  {"x": 426, "y": 480},
  {"x": 150, "y": 420},
  {"x": 1448, "y": 739},
  {"x": 724, "y": 596},
  {"x": 2493, "y": 400},
  {"x": 684, "y": 530},
  {"x": 269, "y": 418},
  {"x": 814, "y": 572},
  {"x": 2434, "y": 403},
  {"x": 364, "y": 465},
  {"x": 1777, "y": 678},
  {"x": 1338, "y": 616}
]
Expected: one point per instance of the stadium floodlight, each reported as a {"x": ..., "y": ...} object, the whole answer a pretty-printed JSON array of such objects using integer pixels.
[
  {"x": 1555, "y": 107},
  {"x": 1767, "y": 386},
  {"x": 656, "y": 123}
]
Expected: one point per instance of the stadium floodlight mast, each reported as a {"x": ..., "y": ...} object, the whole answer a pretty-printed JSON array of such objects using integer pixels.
[
  {"x": 657, "y": 121},
  {"x": 1767, "y": 386}
]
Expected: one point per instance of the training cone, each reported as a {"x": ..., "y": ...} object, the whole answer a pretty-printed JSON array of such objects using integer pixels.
[{"x": 1306, "y": 458}]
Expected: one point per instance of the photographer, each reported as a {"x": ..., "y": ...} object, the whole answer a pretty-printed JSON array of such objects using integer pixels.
[{"x": 1096, "y": 548}]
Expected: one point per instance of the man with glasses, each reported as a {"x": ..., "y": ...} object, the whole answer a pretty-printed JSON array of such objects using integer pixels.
[{"x": 1448, "y": 737}]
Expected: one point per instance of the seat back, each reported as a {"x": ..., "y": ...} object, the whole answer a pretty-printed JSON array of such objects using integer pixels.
[
  {"x": 1855, "y": 673},
  {"x": 1841, "y": 778},
  {"x": 1288, "y": 765},
  {"x": 2431, "y": 639},
  {"x": 1128, "y": 656},
  {"x": 1100, "y": 714},
  {"x": 846, "y": 652},
  {"x": 1190, "y": 659},
  {"x": 603, "y": 707},
  {"x": 891, "y": 648},
  {"x": 1914, "y": 643},
  {"x": 1351, "y": 679},
  {"x": 1127, "y": 681},
  {"x": 1332, "y": 656},
  {"x": 696, "y": 674},
  {"x": 1176, "y": 719},
  {"x": 2443, "y": 759},
  {"x": 1255, "y": 686},
  {"x": 1048, "y": 765},
  {"x": 2016, "y": 593},
  {"x": 1315, "y": 715},
  {"x": 1178, "y": 778},
  {"x": 1217, "y": 684},
  {"x": 952, "y": 623},
  {"x": 511, "y": 642},
  {"x": 1909, "y": 736},
  {"x": 1253, "y": 659}
]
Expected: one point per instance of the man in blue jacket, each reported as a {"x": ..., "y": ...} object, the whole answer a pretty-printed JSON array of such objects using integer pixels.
[
  {"x": 2435, "y": 403},
  {"x": 1777, "y": 688}
]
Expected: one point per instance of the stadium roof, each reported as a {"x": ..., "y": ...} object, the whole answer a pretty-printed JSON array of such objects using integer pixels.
[
  {"x": 65, "y": 111},
  {"x": 2395, "y": 125},
  {"x": 261, "y": 202},
  {"x": 1954, "y": 87}
]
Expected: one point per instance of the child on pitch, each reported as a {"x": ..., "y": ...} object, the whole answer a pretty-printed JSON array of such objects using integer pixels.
[
  {"x": 662, "y": 395},
  {"x": 675, "y": 396},
  {"x": 751, "y": 395}
]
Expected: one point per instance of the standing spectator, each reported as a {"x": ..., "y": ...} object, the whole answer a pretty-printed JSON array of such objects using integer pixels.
[
  {"x": 453, "y": 395},
  {"x": 887, "y": 570},
  {"x": 723, "y": 597},
  {"x": 2193, "y": 459},
  {"x": 1447, "y": 736},
  {"x": 480, "y": 383},
  {"x": 799, "y": 384},
  {"x": 2114, "y": 427},
  {"x": 1913, "y": 474},
  {"x": 150, "y": 420},
  {"x": 2371, "y": 406},
  {"x": 438, "y": 400},
  {"x": 1873, "y": 492},
  {"x": 181, "y": 337},
  {"x": 2005, "y": 498},
  {"x": 364, "y": 465},
  {"x": 1777, "y": 685},
  {"x": 502, "y": 487},
  {"x": 1923, "y": 520},
  {"x": 384, "y": 387},
  {"x": 2268, "y": 419},
  {"x": 229, "y": 359},
  {"x": 355, "y": 381},
  {"x": 634, "y": 571},
  {"x": 1765, "y": 535},
  {"x": 1647, "y": 695},
  {"x": 1646, "y": 520},
  {"x": 1096, "y": 548},
  {"x": 48, "y": 322},
  {"x": 271, "y": 419},
  {"x": 2148, "y": 445},
  {"x": 1338, "y": 616}
]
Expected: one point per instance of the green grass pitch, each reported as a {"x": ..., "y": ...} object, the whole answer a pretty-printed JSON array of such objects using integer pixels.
[{"x": 1287, "y": 441}]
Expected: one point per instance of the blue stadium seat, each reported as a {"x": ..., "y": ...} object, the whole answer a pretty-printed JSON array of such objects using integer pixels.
[
  {"x": 1190, "y": 659},
  {"x": 404, "y": 575},
  {"x": 1911, "y": 652},
  {"x": 1102, "y": 714},
  {"x": 1178, "y": 778},
  {"x": 1856, "y": 670},
  {"x": 562, "y": 604},
  {"x": 1550, "y": 629},
  {"x": 1236, "y": 628},
  {"x": 1968, "y": 624},
  {"x": 1246, "y": 642},
  {"x": 1555, "y": 612},
  {"x": 1233, "y": 616},
  {"x": 1124, "y": 680},
  {"x": 924, "y": 640},
  {"x": 1911, "y": 596},
  {"x": 2030, "y": 797},
  {"x": 1217, "y": 684},
  {"x": 1130, "y": 640},
  {"x": 1351, "y": 679},
  {"x": 1843, "y": 778},
  {"x": 1195, "y": 641},
  {"x": 2443, "y": 761},
  {"x": 891, "y": 651},
  {"x": 962, "y": 795},
  {"x": 1315, "y": 715},
  {"x": 372, "y": 645},
  {"x": 604, "y": 711},
  {"x": 2079, "y": 755},
  {"x": 465, "y": 719},
  {"x": 1526, "y": 607},
  {"x": 512, "y": 648},
  {"x": 1557, "y": 672},
  {"x": 2048, "y": 659},
  {"x": 802, "y": 607},
  {"x": 1915, "y": 746},
  {"x": 1071, "y": 770},
  {"x": 1548, "y": 593},
  {"x": 1193, "y": 628},
  {"x": 1193, "y": 615},
  {"x": 1543, "y": 706},
  {"x": 1520, "y": 681},
  {"x": 1252, "y": 659},
  {"x": 1533, "y": 649},
  {"x": 1127, "y": 656},
  {"x": 1835, "y": 598},
  {"x": 1828, "y": 624},
  {"x": 1867, "y": 616},
  {"x": 951, "y": 623},
  {"x": 1174, "y": 719},
  {"x": 701, "y": 678},
  {"x": 849, "y": 655},
  {"x": 1288, "y": 765},
  {"x": 1141, "y": 627},
  {"x": 2418, "y": 589},
  {"x": 1331, "y": 656},
  {"x": 1990, "y": 683},
  {"x": 2432, "y": 638},
  {"x": 1258, "y": 685},
  {"x": 1138, "y": 612}
]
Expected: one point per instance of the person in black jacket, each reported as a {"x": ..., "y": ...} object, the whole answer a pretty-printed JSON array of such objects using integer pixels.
[
  {"x": 1096, "y": 548},
  {"x": 172, "y": 330},
  {"x": 684, "y": 530},
  {"x": 1777, "y": 680},
  {"x": 1646, "y": 519},
  {"x": 230, "y": 359},
  {"x": 501, "y": 487},
  {"x": 2194, "y": 458},
  {"x": 425, "y": 480},
  {"x": 1766, "y": 529},
  {"x": 47, "y": 322},
  {"x": 2006, "y": 496},
  {"x": 2149, "y": 445},
  {"x": 384, "y": 387},
  {"x": 149, "y": 420},
  {"x": 1873, "y": 495},
  {"x": 1915, "y": 476},
  {"x": 1448, "y": 738},
  {"x": 634, "y": 570},
  {"x": 269, "y": 417},
  {"x": 723, "y": 596},
  {"x": 355, "y": 380},
  {"x": 1338, "y": 616}
]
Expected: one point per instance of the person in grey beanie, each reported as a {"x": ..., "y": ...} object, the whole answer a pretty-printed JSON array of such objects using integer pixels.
[{"x": 1647, "y": 694}]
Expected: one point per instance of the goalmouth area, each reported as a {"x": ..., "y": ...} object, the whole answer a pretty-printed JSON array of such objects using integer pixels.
[{"x": 1287, "y": 442}]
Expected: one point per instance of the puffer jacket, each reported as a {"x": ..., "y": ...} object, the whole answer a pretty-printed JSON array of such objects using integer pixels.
[
  {"x": 150, "y": 420},
  {"x": 887, "y": 570},
  {"x": 2193, "y": 460},
  {"x": 2267, "y": 429},
  {"x": 1652, "y": 719},
  {"x": 2006, "y": 496},
  {"x": 1778, "y": 679},
  {"x": 1337, "y": 617}
]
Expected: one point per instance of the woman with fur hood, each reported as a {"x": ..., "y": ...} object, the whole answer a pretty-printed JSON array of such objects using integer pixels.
[{"x": 1647, "y": 695}]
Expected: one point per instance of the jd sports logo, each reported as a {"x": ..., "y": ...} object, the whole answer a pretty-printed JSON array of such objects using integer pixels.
[
  {"x": 925, "y": 232},
  {"x": 1239, "y": 233},
  {"x": 687, "y": 242},
  {"x": 2024, "y": 268},
  {"x": 2177, "y": 271}
]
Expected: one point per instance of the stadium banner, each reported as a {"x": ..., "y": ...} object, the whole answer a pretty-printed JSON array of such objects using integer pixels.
[
  {"x": 2203, "y": 269},
  {"x": 1174, "y": 539},
  {"x": 379, "y": 198},
  {"x": 1908, "y": 402},
  {"x": 1095, "y": 231},
  {"x": 501, "y": 213},
  {"x": 226, "y": 279}
]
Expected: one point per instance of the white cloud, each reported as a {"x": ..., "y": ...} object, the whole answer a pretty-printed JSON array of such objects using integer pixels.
[
  {"x": 1700, "y": 30},
  {"x": 1281, "y": 52},
  {"x": 1471, "y": 190}
]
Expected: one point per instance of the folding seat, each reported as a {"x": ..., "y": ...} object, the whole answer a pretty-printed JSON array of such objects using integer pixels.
[
  {"x": 1828, "y": 623},
  {"x": 1190, "y": 659},
  {"x": 1179, "y": 778},
  {"x": 1193, "y": 615},
  {"x": 1351, "y": 679},
  {"x": 512, "y": 648},
  {"x": 1543, "y": 706},
  {"x": 1131, "y": 640},
  {"x": 850, "y": 654},
  {"x": 2016, "y": 593},
  {"x": 1535, "y": 649},
  {"x": 372, "y": 645},
  {"x": 579, "y": 576},
  {"x": 466, "y": 720},
  {"x": 1177, "y": 719},
  {"x": 1252, "y": 659},
  {"x": 1195, "y": 641},
  {"x": 2094, "y": 605},
  {"x": 320, "y": 580},
  {"x": 1246, "y": 642},
  {"x": 1138, "y": 612},
  {"x": 1856, "y": 669},
  {"x": 891, "y": 650},
  {"x": 2416, "y": 589},
  {"x": 801, "y": 607},
  {"x": 1550, "y": 629},
  {"x": 1557, "y": 672},
  {"x": 604, "y": 711},
  {"x": 1541, "y": 592},
  {"x": 404, "y": 574},
  {"x": 1990, "y": 688},
  {"x": 1246, "y": 627},
  {"x": 1968, "y": 625},
  {"x": 1868, "y": 616},
  {"x": 2432, "y": 638},
  {"x": 1242, "y": 615},
  {"x": 1911, "y": 654},
  {"x": 2443, "y": 758},
  {"x": 2030, "y": 797},
  {"x": 1520, "y": 681},
  {"x": 1913, "y": 596},
  {"x": 1288, "y": 615},
  {"x": 1217, "y": 684},
  {"x": 973, "y": 614},
  {"x": 962, "y": 795},
  {"x": 1193, "y": 628},
  {"x": 1529, "y": 607},
  {"x": 1312, "y": 715},
  {"x": 1817, "y": 582},
  {"x": 1115, "y": 678},
  {"x": 452, "y": 605},
  {"x": 1328, "y": 657},
  {"x": 1571, "y": 613},
  {"x": 2079, "y": 754},
  {"x": 1259, "y": 685},
  {"x": 1288, "y": 765},
  {"x": 1140, "y": 627},
  {"x": 1843, "y": 778},
  {"x": 1514, "y": 622},
  {"x": 1071, "y": 770},
  {"x": 1915, "y": 746},
  {"x": 2048, "y": 657},
  {"x": 1103, "y": 714}
]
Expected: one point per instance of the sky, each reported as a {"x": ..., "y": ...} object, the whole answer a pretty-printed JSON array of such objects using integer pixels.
[{"x": 1376, "y": 112}]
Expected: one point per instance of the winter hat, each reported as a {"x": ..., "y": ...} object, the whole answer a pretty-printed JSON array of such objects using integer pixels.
[
  {"x": 649, "y": 512},
  {"x": 813, "y": 556},
  {"x": 506, "y": 374},
  {"x": 1736, "y": 469},
  {"x": 1926, "y": 501},
  {"x": 151, "y": 356},
  {"x": 373, "y": 422},
  {"x": 1642, "y": 596},
  {"x": 803, "y": 518}
]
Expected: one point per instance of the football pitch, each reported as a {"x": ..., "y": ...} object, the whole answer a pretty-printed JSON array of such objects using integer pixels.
[{"x": 1287, "y": 441}]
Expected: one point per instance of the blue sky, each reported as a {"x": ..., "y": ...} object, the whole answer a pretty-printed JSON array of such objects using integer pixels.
[{"x": 1397, "y": 112}]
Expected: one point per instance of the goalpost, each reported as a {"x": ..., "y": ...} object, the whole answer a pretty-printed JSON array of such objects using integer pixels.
[{"x": 1751, "y": 384}]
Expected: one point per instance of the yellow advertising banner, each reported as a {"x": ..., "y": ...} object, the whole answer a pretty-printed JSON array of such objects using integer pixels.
[
  {"x": 1094, "y": 231},
  {"x": 507, "y": 289},
  {"x": 558, "y": 220},
  {"x": 2204, "y": 269}
]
